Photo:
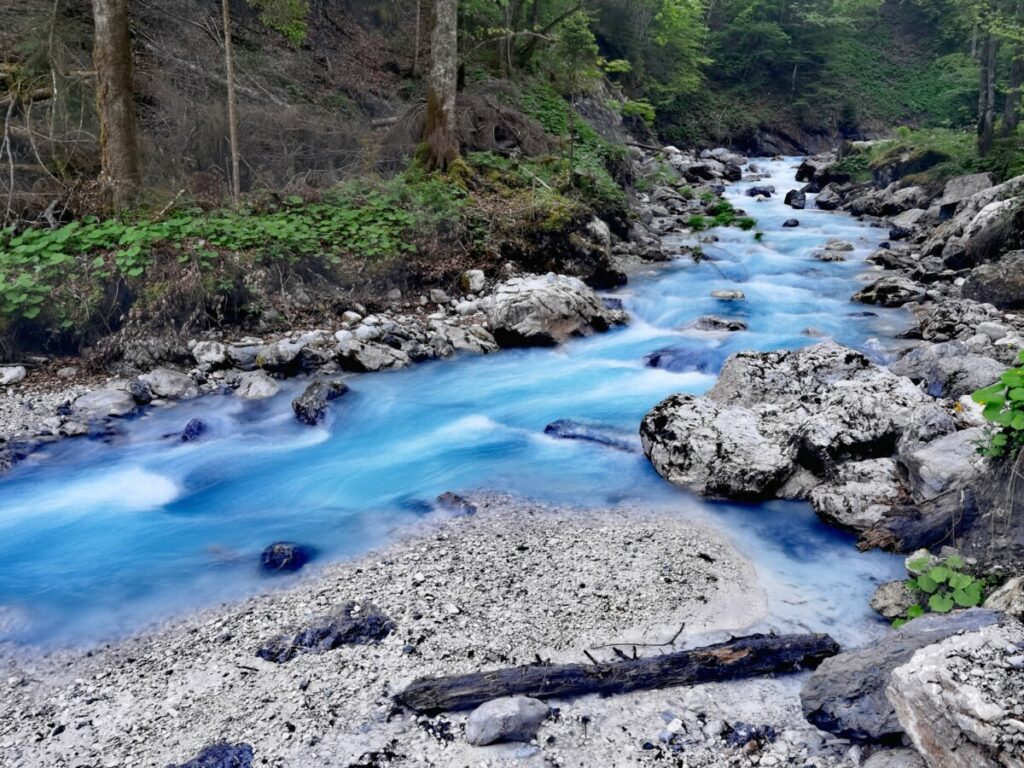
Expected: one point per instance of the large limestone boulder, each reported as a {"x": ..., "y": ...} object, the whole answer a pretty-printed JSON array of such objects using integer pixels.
[
  {"x": 1000, "y": 283},
  {"x": 716, "y": 450},
  {"x": 369, "y": 356},
  {"x": 846, "y": 695},
  {"x": 948, "y": 369},
  {"x": 544, "y": 310},
  {"x": 946, "y": 463},
  {"x": 960, "y": 188},
  {"x": 959, "y": 701},
  {"x": 1009, "y": 598},
  {"x": 775, "y": 414}
]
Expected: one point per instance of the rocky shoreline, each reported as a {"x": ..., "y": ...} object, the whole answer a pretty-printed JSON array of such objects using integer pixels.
[{"x": 509, "y": 583}]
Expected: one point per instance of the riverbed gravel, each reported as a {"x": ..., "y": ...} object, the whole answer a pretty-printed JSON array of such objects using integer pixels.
[{"x": 510, "y": 583}]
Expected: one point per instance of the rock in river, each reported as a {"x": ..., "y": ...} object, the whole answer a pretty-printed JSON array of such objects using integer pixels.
[
  {"x": 544, "y": 310},
  {"x": 311, "y": 406},
  {"x": 284, "y": 556},
  {"x": 256, "y": 385},
  {"x": 105, "y": 402}
]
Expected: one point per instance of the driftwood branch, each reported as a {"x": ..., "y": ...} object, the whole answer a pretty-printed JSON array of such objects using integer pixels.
[{"x": 739, "y": 658}]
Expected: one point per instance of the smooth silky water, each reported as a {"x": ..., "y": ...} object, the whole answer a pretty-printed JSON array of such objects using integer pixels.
[{"x": 99, "y": 539}]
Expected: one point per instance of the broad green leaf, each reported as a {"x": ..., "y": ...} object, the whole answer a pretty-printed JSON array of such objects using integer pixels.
[
  {"x": 969, "y": 597},
  {"x": 939, "y": 574},
  {"x": 915, "y": 611},
  {"x": 927, "y": 584},
  {"x": 940, "y": 603},
  {"x": 955, "y": 561}
]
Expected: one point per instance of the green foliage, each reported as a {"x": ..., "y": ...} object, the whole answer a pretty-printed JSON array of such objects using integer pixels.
[
  {"x": 720, "y": 214},
  {"x": 1004, "y": 409},
  {"x": 289, "y": 17},
  {"x": 642, "y": 109},
  {"x": 941, "y": 588},
  {"x": 369, "y": 219}
]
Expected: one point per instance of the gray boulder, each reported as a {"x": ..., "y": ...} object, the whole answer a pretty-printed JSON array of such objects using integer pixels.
[
  {"x": 944, "y": 464},
  {"x": 960, "y": 188},
  {"x": 959, "y": 701},
  {"x": 953, "y": 319},
  {"x": 895, "y": 758},
  {"x": 473, "y": 281},
  {"x": 893, "y": 599},
  {"x": 512, "y": 718},
  {"x": 829, "y": 199},
  {"x": 105, "y": 402},
  {"x": 12, "y": 374},
  {"x": 713, "y": 449},
  {"x": 544, "y": 310},
  {"x": 172, "y": 385},
  {"x": 948, "y": 369},
  {"x": 846, "y": 695},
  {"x": 1000, "y": 283},
  {"x": 859, "y": 494},
  {"x": 256, "y": 385},
  {"x": 891, "y": 291},
  {"x": 1009, "y": 598},
  {"x": 796, "y": 199},
  {"x": 311, "y": 406},
  {"x": 211, "y": 353},
  {"x": 369, "y": 356}
]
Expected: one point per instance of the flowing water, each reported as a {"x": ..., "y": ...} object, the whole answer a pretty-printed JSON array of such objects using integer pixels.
[{"x": 102, "y": 538}]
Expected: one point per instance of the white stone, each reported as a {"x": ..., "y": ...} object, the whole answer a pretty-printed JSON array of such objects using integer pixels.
[
  {"x": 12, "y": 374},
  {"x": 256, "y": 385}
]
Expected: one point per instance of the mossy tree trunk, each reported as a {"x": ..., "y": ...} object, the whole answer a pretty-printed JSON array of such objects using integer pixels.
[
  {"x": 439, "y": 136},
  {"x": 120, "y": 160}
]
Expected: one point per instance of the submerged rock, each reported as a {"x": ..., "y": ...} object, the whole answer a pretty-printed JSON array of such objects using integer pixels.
[
  {"x": 846, "y": 695},
  {"x": 221, "y": 756},
  {"x": 350, "y": 624},
  {"x": 512, "y": 718},
  {"x": 681, "y": 359},
  {"x": 567, "y": 429},
  {"x": 311, "y": 406},
  {"x": 455, "y": 503},
  {"x": 194, "y": 430},
  {"x": 713, "y": 323},
  {"x": 544, "y": 310},
  {"x": 791, "y": 223},
  {"x": 285, "y": 557}
]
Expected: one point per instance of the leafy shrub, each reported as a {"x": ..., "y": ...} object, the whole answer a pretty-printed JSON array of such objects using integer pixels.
[
  {"x": 1004, "y": 408},
  {"x": 641, "y": 108},
  {"x": 941, "y": 588}
]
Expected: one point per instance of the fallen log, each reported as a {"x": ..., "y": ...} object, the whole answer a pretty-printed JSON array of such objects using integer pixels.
[{"x": 739, "y": 658}]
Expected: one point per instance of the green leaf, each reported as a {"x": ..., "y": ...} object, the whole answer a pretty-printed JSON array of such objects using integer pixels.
[
  {"x": 955, "y": 561},
  {"x": 915, "y": 611},
  {"x": 897, "y": 623},
  {"x": 960, "y": 580},
  {"x": 969, "y": 597},
  {"x": 990, "y": 395},
  {"x": 1018, "y": 422},
  {"x": 939, "y": 574},
  {"x": 1017, "y": 393},
  {"x": 940, "y": 603},
  {"x": 918, "y": 565},
  {"x": 927, "y": 584}
]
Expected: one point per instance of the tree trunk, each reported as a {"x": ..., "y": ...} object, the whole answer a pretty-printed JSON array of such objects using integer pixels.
[
  {"x": 733, "y": 660},
  {"x": 229, "y": 65},
  {"x": 1011, "y": 108},
  {"x": 987, "y": 94},
  {"x": 120, "y": 162},
  {"x": 439, "y": 134}
]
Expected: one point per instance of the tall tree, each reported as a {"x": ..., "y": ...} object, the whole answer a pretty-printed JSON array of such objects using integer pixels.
[
  {"x": 439, "y": 133},
  {"x": 120, "y": 159},
  {"x": 1011, "y": 106},
  {"x": 229, "y": 65},
  {"x": 988, "y": 72}
]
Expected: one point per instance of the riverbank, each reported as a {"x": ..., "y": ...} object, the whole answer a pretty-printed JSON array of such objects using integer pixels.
[{"x": 512, "y": 582}]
